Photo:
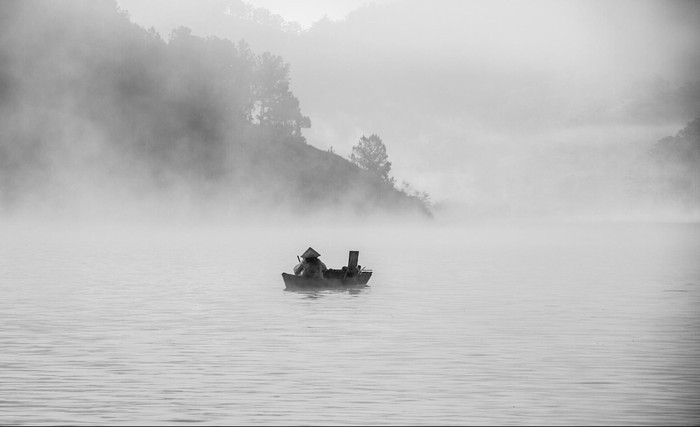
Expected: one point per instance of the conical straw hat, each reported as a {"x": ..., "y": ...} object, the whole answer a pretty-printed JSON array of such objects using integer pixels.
[{"x": 310, "y": 253}]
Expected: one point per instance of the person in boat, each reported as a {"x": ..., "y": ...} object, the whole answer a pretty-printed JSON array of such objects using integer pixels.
[{"x": 310, "y": 265}]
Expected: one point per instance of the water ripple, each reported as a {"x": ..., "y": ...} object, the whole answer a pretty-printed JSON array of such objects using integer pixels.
[{"x": 174, "y": 332}]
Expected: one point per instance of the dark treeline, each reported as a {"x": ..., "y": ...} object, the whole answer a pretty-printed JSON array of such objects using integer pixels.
[
  {"x": 669, "y": 172},
  {"x": 91, "y": 102}
]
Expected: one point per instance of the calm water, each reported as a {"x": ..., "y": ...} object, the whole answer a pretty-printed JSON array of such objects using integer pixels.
[{"x": 526, "y": 325}]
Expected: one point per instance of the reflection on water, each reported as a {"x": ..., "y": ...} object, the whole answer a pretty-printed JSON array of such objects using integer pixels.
[
  {"x": 559, "y": 325},
  {"x": 319, "y": 293}
]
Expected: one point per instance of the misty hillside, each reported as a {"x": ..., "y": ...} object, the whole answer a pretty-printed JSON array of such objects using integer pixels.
[
  {"x": 669, "y": 172},
  {"x": 496, "y": 108},
  {"x": 98, "y": 110},
  {"x": 495, "y": 61}
]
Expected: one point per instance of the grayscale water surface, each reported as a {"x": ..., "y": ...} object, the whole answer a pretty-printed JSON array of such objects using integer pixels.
[{"x": 527, "y": 325}]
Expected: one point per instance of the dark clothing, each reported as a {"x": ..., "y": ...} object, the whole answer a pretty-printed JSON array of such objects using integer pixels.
[{"x": 310, "y": 267}]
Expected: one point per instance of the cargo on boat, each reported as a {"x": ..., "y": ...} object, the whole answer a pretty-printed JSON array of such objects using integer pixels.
[{"x": 350, "y": 276}]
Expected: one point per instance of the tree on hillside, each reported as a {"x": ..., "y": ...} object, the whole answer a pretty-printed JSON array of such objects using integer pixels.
[
  {"x": 274, "y": 106},
  {"x": 683, "y": 149},
  {"x": 670, "y": 171},
  {"x": 422, "y": 196},
  {"x": 370, "y": 154}
]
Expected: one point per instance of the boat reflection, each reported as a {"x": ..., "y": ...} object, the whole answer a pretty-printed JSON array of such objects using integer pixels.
[{"x": 319, "y": 293}]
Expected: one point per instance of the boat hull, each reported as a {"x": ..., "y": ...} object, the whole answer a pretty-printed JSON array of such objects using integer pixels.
[{"x": 333, "y": 279}]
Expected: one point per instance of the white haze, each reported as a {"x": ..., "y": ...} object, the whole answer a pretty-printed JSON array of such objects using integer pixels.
[
  {"x": 492, "y": 106},
  {"x": 159, "y": 300},
  {"x": 308, "y": 12}
]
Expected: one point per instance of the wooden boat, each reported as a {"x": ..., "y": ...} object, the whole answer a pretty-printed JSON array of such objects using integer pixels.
[
  {"x": 333, "y": 279},
  {"x": 349, "y": 277}
]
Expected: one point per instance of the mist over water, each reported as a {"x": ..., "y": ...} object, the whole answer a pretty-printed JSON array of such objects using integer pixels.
[
  {"x": 566, "y": 324},
  {"x": 534, "y": 252}
]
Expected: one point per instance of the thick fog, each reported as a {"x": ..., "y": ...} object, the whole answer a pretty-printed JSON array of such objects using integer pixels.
[
  {"x": 491, "y": 108},
  {"x": 522, "y": 107},
  {"x": 164, "y": 163}
]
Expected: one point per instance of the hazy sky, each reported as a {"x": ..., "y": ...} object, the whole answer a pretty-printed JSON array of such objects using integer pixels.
[
  {"x": 615, "y": 40},
  {"x": 306, "y": 12}
]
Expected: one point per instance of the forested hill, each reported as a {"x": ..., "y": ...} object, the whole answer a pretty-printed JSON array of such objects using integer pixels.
[{"x": 94, "y": 108}]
